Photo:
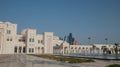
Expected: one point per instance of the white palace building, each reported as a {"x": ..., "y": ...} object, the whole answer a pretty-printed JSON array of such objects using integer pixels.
[{"x": 29, "y": 42}]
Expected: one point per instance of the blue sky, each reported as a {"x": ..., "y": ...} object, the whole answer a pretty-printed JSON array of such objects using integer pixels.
[{"x": 98, "y": 19}]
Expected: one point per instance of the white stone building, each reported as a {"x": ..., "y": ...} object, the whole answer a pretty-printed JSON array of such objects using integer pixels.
[
  {"x": 26, "y": 42},
  {"x": 29, "y": 42}
]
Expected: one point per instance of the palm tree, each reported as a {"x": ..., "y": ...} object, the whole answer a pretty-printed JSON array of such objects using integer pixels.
[{"x": 89, "y": 38}]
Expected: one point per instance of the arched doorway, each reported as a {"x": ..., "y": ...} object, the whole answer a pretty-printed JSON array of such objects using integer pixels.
[
  {"x": 38, "y": 50},
  {"x": 15, "y": 49},
  {"x": 42, "y": 50},
  {"x": 24, "y": 49},
  {"x": 20, "y": 48}
]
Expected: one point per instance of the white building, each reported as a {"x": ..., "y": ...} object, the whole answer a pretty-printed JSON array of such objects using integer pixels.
[
  {"x": 26, "y": 42},
  {"x": 29, "y": 42}
]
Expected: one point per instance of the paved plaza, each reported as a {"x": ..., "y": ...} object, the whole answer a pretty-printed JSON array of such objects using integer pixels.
[{"x": 21, "y": 60}]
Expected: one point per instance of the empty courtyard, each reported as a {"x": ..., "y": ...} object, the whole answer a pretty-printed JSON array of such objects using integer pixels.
[{"x": 22, "y": 60}]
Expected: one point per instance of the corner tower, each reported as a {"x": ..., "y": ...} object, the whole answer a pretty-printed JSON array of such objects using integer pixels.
[
  {"x": 7, "y": 37},
  {"x": 48, "y": 42}
]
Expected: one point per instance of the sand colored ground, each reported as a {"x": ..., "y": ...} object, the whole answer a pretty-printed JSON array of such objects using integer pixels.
[{"x": 32, "y": 61}]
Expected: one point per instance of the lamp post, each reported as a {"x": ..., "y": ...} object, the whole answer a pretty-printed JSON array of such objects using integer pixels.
[
  {"x": 89, "y": 38},
  {"x": 106, "y": 39}
]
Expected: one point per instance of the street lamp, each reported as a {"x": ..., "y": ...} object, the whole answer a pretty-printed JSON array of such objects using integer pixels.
[
  {"x": 106, "y": 39},
  {"x": 89, "y": 38}
]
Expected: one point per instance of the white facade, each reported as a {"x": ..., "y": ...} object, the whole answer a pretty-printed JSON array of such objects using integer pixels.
[
  {"x": 7, "y": 37},
  {"x": 29, "y": 42},
  {"x": 26, "y": 42}
]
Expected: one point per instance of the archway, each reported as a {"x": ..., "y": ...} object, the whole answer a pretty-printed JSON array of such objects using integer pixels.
[
  {"x": 15, "y": 49},
  {"x": 42, "y": 50},
  {"x": 20, "y": 48},
  {"x": 38, "y": 50},
  {"x": 24, "y": 49}
]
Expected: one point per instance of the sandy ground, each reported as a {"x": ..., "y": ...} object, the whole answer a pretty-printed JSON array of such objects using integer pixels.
[{"x": 32, "y": 61}]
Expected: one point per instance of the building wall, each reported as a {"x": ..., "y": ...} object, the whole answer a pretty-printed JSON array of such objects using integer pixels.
[
  {"x": 8, "y": 31},
  {"x": 28, "y": 41},
  {"x": 1, "y": 39},
  {"x": 48, "y": 42}
]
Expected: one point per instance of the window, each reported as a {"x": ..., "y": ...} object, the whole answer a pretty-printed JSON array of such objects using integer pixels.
[
  {"x": 31, "y": 40},
  {"x": 8, "y": 31},
  {"x": 41, "y": 41},
  {"x": 29, "y": 50},
  {"x": 32, "y": 49},
  {"x": 21, "y": 40},
  {"x": 7, "y": 39},
  {"x": 38, "y": 41},
  {"x": 11, "y": 39}
]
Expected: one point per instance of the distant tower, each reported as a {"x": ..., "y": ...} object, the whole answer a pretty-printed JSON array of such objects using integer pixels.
[{"x": 7, "y": 37}]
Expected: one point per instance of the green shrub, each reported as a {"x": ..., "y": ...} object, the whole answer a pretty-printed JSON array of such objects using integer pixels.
[
  {"x": 65, "y": 59},
  {"x": 113, "y": 65}
]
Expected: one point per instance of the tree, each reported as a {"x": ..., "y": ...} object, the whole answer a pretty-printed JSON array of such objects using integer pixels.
[{"x": 70, "y": 39}]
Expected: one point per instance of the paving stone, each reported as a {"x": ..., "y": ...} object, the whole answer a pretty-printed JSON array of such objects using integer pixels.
[{"x": 22, "y": 60}]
